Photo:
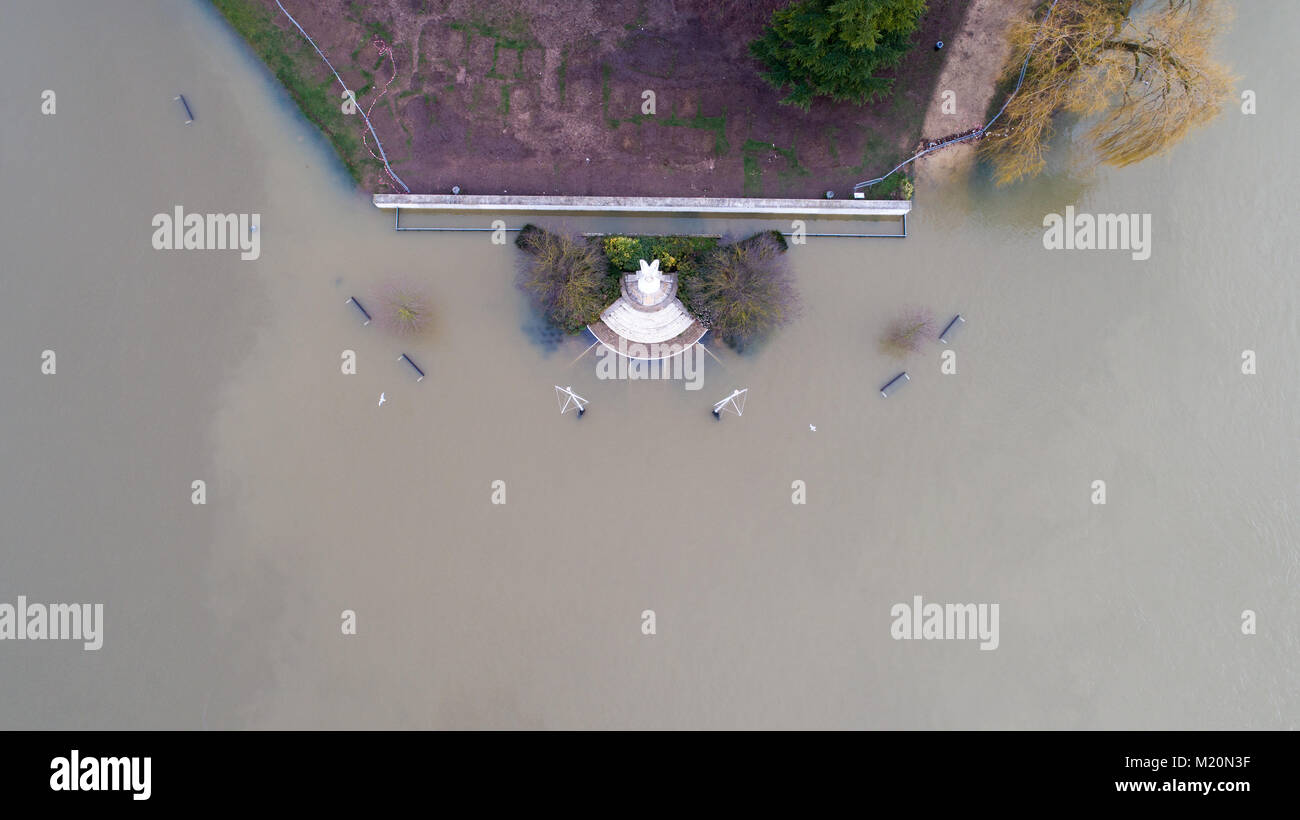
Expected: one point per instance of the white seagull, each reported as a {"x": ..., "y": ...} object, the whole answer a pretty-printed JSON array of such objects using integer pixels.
[{"x": 382, "y": 399}]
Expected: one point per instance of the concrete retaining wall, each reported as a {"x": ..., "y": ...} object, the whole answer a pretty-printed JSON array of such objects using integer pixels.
[{"x": 645, "y": 204}]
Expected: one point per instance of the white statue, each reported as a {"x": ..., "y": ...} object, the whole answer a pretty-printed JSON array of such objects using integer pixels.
[{"x": 649, "y": 279}]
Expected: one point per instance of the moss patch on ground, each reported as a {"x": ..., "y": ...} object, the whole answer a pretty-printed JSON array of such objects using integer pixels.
[{"x": 297, "y": 66}]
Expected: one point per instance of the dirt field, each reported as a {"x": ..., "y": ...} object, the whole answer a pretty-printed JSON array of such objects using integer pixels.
[{"x": 546, "y": 96}]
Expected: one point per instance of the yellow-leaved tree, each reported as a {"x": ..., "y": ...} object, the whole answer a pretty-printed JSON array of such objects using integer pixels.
[{"x": 1143, "y": 74}]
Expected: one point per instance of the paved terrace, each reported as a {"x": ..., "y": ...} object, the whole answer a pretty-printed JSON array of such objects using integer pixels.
[
  {"x": 639, "y": 350},
  {"x": 647, "y": 326}
]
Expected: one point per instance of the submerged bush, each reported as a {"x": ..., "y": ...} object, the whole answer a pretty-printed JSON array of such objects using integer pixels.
[
  {"x": 742, "y": 291},
  {"x": 909, "y": 332},
  {"x": 402, "y": 308},
  {"x": 566, "y": 276}
]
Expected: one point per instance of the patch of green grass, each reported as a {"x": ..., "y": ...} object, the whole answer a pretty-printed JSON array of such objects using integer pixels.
[
  {"x": 906, "y": 109},
  {"x": 754, "y": 150},
  {"x": 518, "y": 73},
  {"x": 372, "y": 30},
  {"x": 293, "y": 62},
  {"x": 605, "y": 71},
  {"x": 718, "y": 125},
  {"x": 792, "y": 166},
  {"x": 751, "y": 151},
  {"x": 514, "y": 35},
  {"x": 378, "y": 29},
  {"x": 504, "y": 108},
  {"x": 895, "y": 186},
  {"x": 641, "y": 17},
  {"x": 875, "y": 155},
  {"x": 753, "y": 176},
  {"x": 832, "y": 143},
  {"x": 563, "y": 72}
]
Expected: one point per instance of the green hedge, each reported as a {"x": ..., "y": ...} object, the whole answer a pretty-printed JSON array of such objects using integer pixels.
[{"x": 625, "y": 252}]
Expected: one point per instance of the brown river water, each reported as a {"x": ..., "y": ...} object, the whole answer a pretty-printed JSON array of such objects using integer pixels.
[{"x": 973, "y": 487}]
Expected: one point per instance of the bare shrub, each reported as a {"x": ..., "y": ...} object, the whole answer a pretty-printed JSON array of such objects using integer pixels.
[
  {"x": 566, "y": 276},
  {"x": 742, "y": 291},
  {"x": 403, "y": 308},
  {"x": 909, "y": 332}
]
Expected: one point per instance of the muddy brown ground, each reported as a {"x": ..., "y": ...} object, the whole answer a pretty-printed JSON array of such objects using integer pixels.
[{"x": 546, "y": 97}]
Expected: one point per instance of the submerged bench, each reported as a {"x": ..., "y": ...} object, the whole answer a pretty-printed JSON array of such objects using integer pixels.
[
  {"x": 957, "y": 321},
  {"x": 894, "y": 383}
]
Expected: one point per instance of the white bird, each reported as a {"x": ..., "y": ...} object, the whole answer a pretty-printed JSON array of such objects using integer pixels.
[
  {"x": 810, "y": 427},
  {"x": 382, "y": 399}
]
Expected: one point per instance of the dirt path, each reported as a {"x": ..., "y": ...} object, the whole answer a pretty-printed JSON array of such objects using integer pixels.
[{"x": 972, "y": 71}]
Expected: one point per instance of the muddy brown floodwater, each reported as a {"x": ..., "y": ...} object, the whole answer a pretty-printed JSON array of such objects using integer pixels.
[{"x": 1073, "y": 367}]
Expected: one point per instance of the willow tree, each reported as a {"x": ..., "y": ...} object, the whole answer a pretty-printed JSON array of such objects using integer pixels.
[{"x": 1143, "y": 80}]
